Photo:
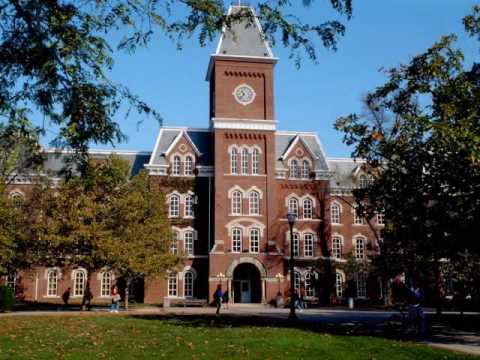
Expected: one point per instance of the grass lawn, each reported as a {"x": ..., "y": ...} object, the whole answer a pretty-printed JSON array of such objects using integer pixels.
[{"x": 123, "y": 337}]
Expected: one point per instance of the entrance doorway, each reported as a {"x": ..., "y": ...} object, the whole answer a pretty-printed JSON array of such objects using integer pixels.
[{"x": 246, "y": 284}]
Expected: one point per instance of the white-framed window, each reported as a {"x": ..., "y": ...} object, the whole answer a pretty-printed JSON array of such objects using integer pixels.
[
  {"x": 309, "y": 285},
  {"x": 254, "y": 203},
  {"x": 293, "y": 206},
  {"x": 236, "y": 240},
  {"x": 296, "y": 244},
  {"x": 174, "y": 206},
  {"x": 52, "y": 282},
  {"x": 234, "y": 161},
  {"x": 297, "y": 279},
  {"x": 172, "y": 284},
  {"x": 16, "y": 198},
  {"x": 361, "y": 279},
  {"x": 305, "y": 169},
  {"x": 11, "y": 281},
  {"x": 189, "y": 206},
  {"x": 244, "y": 161},
  {"x": 381, "y": 218},
  {"x": 188, "y": 166},
  {"x": 254, "y": 240},
  {"x": 174, "y": 243},
  {"x": 307, "y": 208},
  {"x": 236, "y": 203},
  {"x": 363, "y": 181},
  {"x": 176, "y": 165},
  {"x": 255, "y": 162},
  {"x": 308, "y": 245},
  {"x": 188, "y": 284},
  {"x": 357, "y": 219},
  {"x": 335, "y": 213},
  {"x": 105, "y": 283},
  {"x": 339, "y": 282},
  {"x": 359, "y": 248},
  {"x": 337, "y": 247},
  {"x": 79, "y": 279},
  {"x": 293, "y": 168},
  {"x": 188, "y": 242}
]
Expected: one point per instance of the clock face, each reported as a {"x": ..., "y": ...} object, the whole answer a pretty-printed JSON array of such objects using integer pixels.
[{"x": 244, "y": 94}]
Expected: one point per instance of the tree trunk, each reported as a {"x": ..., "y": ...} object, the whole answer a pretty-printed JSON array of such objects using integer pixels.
[{"x": 126, "y": 292}]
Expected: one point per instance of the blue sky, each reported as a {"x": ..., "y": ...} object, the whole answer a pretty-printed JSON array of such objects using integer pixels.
[{"x": 381, "y": 34}]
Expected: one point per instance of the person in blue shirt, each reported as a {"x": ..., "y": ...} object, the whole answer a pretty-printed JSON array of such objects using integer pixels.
[{"x": 217, "y": 297}]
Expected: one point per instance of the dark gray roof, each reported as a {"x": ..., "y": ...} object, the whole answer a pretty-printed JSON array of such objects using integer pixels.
[
  {"x": 343, "y": 172},
  {"x": 284, "y": 140},
  {"x": 244, "y": 38}
]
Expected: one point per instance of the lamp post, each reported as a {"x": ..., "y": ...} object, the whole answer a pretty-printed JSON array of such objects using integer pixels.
[{"x": 291, "y": 221}]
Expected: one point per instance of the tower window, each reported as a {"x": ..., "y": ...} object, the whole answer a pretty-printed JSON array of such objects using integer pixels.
[
  {"x": 244, "y": 161},
  {"x": 255, "y": 162},
  {"x": 234, "y": 161}
]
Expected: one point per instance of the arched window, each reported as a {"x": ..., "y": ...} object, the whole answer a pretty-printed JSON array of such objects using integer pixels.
[
  {"x": 305, "y": 169},
  {"x": 339, "y": 284},
  {"x": 173, "y": 208},
  {"x": 254, "y": 203},
  {"x": 52, "y": 282},
  {"x": 335, "y": 213},
  {"x": 308, "y": 245},
  {"x": 297, "y": 278},
  {"x": 293, "y": 168},
  {"x": 176, "y": 165},
  {"x": 174, "y": 243},
  {"x": 309, "y": 285},
  {"x": 363, "y": 181},
  {"x": 357, "y": 218},
  {"x": 236, "y": 240},
  {"x": 16, "y": 198},
  {"x": 337, "y": 247},
  {"x": 361, "y": 279},
  {"x": 293, "y": 206},
  {"x": 188, "y": 242},
  {"x": 359, "y": 248},
  {"x": 296, "y": 244},
  {"x": 189, "y": 206},
  {"x": 244, "y": 161},
  {"x": 236, "y": 203},
  {"x": 255, "y": 162},
  {"x": 78, "y": 282},
  {"x": 307, "y": 208},
  {"x": 188, "y": 166},
  {"x": 188, "y": 284},
  {"x": 105, "y": 283},
  {"x": 234, "y": 161},
  {"x": 254, "y": 240},
  {"x": 172, "y": 284}
]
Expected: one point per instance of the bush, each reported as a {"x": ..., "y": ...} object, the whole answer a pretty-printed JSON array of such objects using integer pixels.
[{"x": 7, "y": 298}]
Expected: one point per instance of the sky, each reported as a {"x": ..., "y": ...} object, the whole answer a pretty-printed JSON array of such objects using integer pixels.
[{"x": 381, "y": 34}]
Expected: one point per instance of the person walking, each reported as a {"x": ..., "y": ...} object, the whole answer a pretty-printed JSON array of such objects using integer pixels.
[
  {"x": 66, "y": 297},
  {"x": 115, "y": 295},
  {"x": 217, "y": 297}
]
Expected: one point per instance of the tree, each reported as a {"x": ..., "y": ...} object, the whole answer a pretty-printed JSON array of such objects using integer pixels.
[
  {"x": 55, "y": 54},
  {"x": 420, "y": 136}
]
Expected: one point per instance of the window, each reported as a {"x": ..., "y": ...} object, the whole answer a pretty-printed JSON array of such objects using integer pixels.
[
  {"x": 357, "y": 218},
  {"x": 236, "y": 203},
  {"x": 16, "y": 198},
  {"x": 339, "y": 284},
  {"x": 335, "y": 213},
  {"x": 308, "y": 245},
  {"x": 337, "y": 247},
  {"x": 173, "y": 209},
  {"x": 174, "y": 243},
  {"x": 172, "y": 284},
  {"x": 78, "y": 283},
  {"x": 293, "y": 206},
  {"x": 361, "y": 279},
  {"x": 309, "y": 286},
  {"x": 359, "y": 248},
  {"x": 363, "y": 181},
  {"x": 244, "y": 161},
  {"x": 255, "y": 162},
  {"x": 233, "y": 161},
  {"x": 296, "y": 281},
  {"x": 253, "y": 201},
  {"x": 188, "y": 242},
  {"x": 236, "y": 240},
  {"x": 52, "y": 282},
  {"x": 189, "y": 206},
  {"x": 11, "y": 281},
  {"x": 188, "y": 166},
  {"x": 293, "y": 168},
  {"x": 176, "y": 165},
  {"x": 106, "y": 283},
  {"x": 296, "y": 244},
  {"x": 188, "y": 284},
  {"x": 307, "y": 208},
  {"x": 254, "y": 240},
  {"x": 381, "y": 218},
  {"x": 305, "y": 169}
]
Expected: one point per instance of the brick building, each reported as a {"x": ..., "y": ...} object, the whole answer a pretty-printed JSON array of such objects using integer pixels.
[{"x": 229, "y": 188}]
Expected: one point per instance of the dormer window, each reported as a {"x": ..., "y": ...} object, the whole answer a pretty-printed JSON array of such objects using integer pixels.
[
  {"x": 188, "y": 166},
  {"x": 293, "y": 168},
  {"x": 176, "y": 165},
  {"x": 305, "y": 169}
]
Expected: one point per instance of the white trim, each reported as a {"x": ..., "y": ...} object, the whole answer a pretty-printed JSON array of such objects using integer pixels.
[{"x": 243, "y": 124}]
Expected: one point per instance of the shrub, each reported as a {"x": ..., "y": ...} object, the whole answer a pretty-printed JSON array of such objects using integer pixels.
[{"x": 7, "y": 298}]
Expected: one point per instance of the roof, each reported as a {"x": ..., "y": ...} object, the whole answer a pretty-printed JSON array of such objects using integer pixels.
[
  {"x": 284, "y": 140},
  {"x": 344, "y": 170}
]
